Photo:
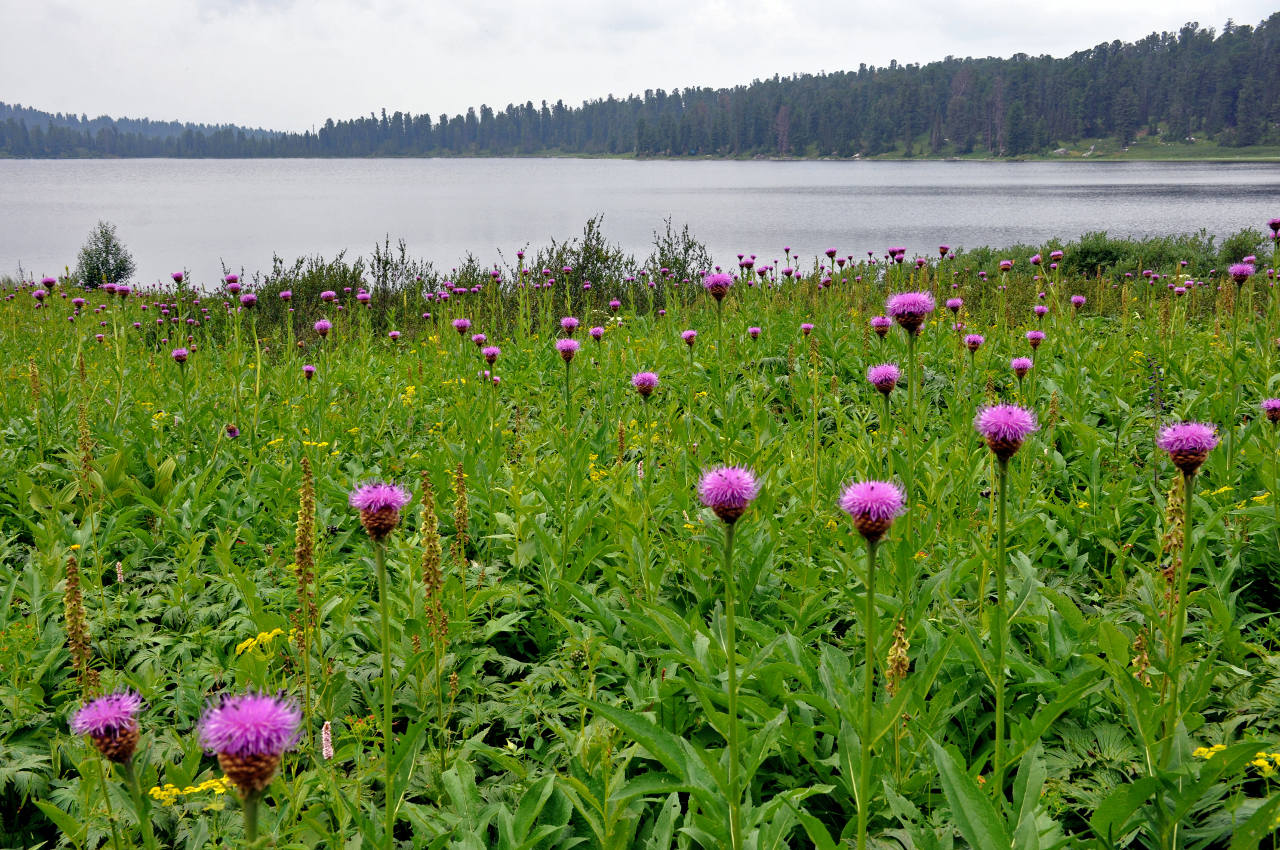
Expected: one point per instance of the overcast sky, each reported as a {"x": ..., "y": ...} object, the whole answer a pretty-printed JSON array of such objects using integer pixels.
[{"x": 289, "y": 64}]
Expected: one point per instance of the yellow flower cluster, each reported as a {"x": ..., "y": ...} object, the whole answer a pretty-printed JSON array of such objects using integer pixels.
[
  {"x": 406, "y": 397},
  {"x": 1208, "y": 752},
  {"x": 592, "y": 472},
  {"x": 1267, "y": 764},
  {"x": 168, "y": 794},
  {"x": 262, "y": 640},
  {"x": 323, "y": 445}
]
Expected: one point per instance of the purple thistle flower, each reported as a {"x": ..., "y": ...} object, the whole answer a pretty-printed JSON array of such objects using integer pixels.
[
  {"x": 323, "y": 327},
  {"x": 328, "y": 295},
  {"x": 1005, "y": 265},
  {"x": 490, "y": 353},
  {"x": 248, "y": 299},
  {"x": 1077, "y": 301},
  {"x": 596, "y": 333},
  {"x": 1240, "y": 272},
  {"x": 753, "y": 332},
  {"x": 1036, "y": 259},
  {"x": 232, "y": 287},
  {"x": 909, "y": 309},
  {"x": 479, "y": 340},
  {"x": 1035, "y": 338},
  {"x": 1271, "y": 408},
  {"x": 394, "y": 334},
  {"x": 1021, "y": 366},
  {"x": 177, "y": 277},
  {"x": 232, "y": 431},
  {"x": 1188, "y": 444},
  {"x": 249, "y": 732},
  {"x": 974, "y": 341},
  {"x": 39, "y": 294},
  {"x": 461, "y": 326},
  {"x": 567, "y": 348},
  {"x": 614, "y": 305},
  {"x": 309, "y": 371},
  {"x": 1055, "y": 255},
  {"x": 363, "y": 297},
  {"x": 569, "y": 324},
  {"x": 645, "y": 383},
  {"x": 231, "y": 278},
  {"x": 180, "y": 355},
  {"x": 872, "y": 505},
  {"x": 379, "y": 505},
  {"x": 689, "y": 337},
  {"x": 727, "y": 490},
  {"x": 881, "y": 325},
  {"x": 806, "y": 328},
  {"x": 1005, "y": 427},
  {"x": 884, "y": 377},
  {"x": 717, "y": 285},
  {"x": 1041, "y": 310},
  {"x": 943, "y": 250},
  {"x": 111, "y": 724},
  {"x": 954, "y": 304},
  {"x": 286, "y": 295}
]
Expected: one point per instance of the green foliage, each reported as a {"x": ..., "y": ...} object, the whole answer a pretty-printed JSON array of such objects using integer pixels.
[
  {"x": 104, "y": 258},
  {"x": 570, "y": 689}
]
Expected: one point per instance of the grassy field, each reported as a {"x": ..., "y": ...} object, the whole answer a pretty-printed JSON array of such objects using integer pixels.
[{"x": 558, "y": 643}]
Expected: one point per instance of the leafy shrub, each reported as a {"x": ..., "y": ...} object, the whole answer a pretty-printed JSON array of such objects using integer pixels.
[{"x": 104, "y": 259}]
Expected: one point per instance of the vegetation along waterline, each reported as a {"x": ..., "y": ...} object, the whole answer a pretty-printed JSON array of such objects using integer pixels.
[{"x": 564, "y": 553}]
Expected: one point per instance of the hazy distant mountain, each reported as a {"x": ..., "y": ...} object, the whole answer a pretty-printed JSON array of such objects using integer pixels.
[{"x": 1195, "y": 84}]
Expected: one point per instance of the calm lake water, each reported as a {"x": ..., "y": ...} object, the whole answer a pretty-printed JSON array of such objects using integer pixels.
[{"x": 198, "y": 214}]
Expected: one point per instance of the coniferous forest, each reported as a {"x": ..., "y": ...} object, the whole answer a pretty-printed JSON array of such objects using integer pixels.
[{"x": 1194, "y": 84}]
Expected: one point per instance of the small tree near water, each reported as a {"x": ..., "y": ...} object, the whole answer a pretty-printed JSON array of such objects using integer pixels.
[{"x": 104, "y": 259}]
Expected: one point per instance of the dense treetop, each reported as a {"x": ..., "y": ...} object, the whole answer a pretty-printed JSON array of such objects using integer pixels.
[{"x": 1195, "y": 83}]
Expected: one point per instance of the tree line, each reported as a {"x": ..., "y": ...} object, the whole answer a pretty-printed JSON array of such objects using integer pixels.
[{"x": 1196, "y": 83}]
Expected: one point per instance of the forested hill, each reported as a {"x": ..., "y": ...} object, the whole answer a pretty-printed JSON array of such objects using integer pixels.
[{"x": 1192, "y": 84}]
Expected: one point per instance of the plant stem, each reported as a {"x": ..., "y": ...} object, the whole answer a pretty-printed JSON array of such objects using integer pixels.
[
  {"x": 1000, "y": 626},
  {"x": 139, "y": 805},
  {"x": 380, "y": 560},
  {"x": 1179, "y": 624},
  {"x": 868, "y": 697},
  {"x": 250, "y": 807},
  {"x": 106, "y": 798},
  {"x": 735, "y": 794}
]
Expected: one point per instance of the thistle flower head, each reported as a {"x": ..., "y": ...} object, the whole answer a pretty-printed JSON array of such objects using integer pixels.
[
  {"x": 806, "y": 328},
  {"x": 645, "y": 383},
  {"x": 1240, "y": 272},
  {"x": 323, "y": 327},
  {"x": 479, "y": 340},
  {"x": 974, "y": 341},
  {"x": 596, "y": 333},
  {"x": 1005, "y": 427},
  {"x": 1271, "y": 409},
  {"x": 884, "y": 377},
  {"x": 753, "y": 332},
  {"x": 728, "y": 490},
  {"x": 909, "y": 309},
  {"x": 689, "y": 337},
  {"x": 717, "y": 285},
  {"x": 872, "y": 505},
  {"x": 248, "y": 299},
  {"x": 1055, "y": 255},
  {"x": 180, "y": 355},
  {"x": 490, "y": 353},
  {"x": 567, "y": 348},
  {"x": 1077, "y": 301},
  {"x": 1035, "y": 338},
  {"x": 461, "y": 326},
  {"x": 569, "y": 324},
  {"x": 111, "y": 724},
  {"x": 1188, "y": 444},
  {"x": 881, "y": 325},
  {"x": 1041, "y": 309},
  {"x": 1005, "y": 265},
  {"x": 1021, "y": 365},
  {"x": 379, "y": 505},
  {"x": 309, "y": 371},
  {"x": 954, "y": 304},
  {"x": 249, "y": 732}
]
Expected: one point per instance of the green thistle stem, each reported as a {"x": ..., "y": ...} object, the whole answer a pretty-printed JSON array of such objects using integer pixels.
[
  {"x": 1000, "y": 626},
  {"x": 380, "y": 561},
  {"x": 868, "y": 698},
  {"x": 140, "y": 805},
  {"x": 730, "y": 648}
]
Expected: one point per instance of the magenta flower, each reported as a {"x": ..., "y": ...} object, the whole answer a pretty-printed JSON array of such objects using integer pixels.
[
  {"x": 1188, "y": 444},
  {"x": 309, "y": 371},
  {"x": 1077, "y": 301},
  {"x": 689, "y": 337},
  {"x": 753, "y": 332},
  {"x": 567, "y": 348},
  {"x": 1271, "y": 408},
  {"x": 727, "y": 490},
  {"x": 1055, "y": 255},
  {"x": 1240, "y": 272},
  {"x": 909, "y": 309},
  {"x": 394, "y": 334},
  {"x": 1005, "y": 427},
  {"x": 490, "y": 353},
  {"x": 1005, "y": 265},
  {"x": 323, "y": 327},
  {"x": 177, "y": 277},
  {"x": 954, "y": 304},
  {"x": 249, "y": 732},
  {"x": 872, "y": 505},
  {"x": 111, "y": 724},
  {"x": 1035, "y": 259},
  {"x": 569, "y": 324},
  {"x": 286, "y": 294},
  {"x": 1021, "y": 366},
  {"x": 379, "y": 505},
  {"x": 363, "y": 297},
  {"x": 717, "y": 285},
  {"x": 645, "y": 383},
  {"x": 943, "y": 250},
  {"x": 884, "y": 377},
  {"x": 232, "y": 287},
  {"x": 596, "y": 333},
  {"x": 39, "y": 294},
  {"x": 328, "y": 295},
  {"x": 231, "y": 278},
  {"x": 461, "y": 326},
  {"x": 614, "y": 305},
  {"x": 806, "y": 328},
  {"x": 974, "y": 341},
  {"x": 881, "y": 325},
  {"x": 180, "y": 355},
  {"x": 1040, "y": 310},
  {"x": 1035, "y": 338},
  {"x": 479, "y": 340},
  {"x": 248, "y": 299}
]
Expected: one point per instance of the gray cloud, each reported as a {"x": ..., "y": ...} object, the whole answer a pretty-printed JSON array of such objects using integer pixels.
[{"x": 292, "y": 63}]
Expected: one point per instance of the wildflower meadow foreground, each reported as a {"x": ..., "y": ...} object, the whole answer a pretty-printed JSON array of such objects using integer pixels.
[{"x": 955, "y": 551}]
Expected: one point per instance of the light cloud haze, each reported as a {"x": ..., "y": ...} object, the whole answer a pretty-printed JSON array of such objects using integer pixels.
[{"x": 289, "y": 64}]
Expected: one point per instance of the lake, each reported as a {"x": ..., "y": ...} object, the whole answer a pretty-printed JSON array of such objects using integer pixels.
[{"x": 199, "y": 214}]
